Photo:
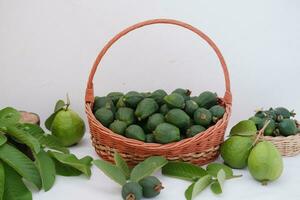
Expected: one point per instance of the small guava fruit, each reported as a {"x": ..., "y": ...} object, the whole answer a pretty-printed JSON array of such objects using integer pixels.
[
  {"x": 283, "y": 113},
  {"x": 269, "y": 130},
  {"x": 158, "y": 96},
  {"x": 132, "y": 191},
  {"x": 118, "y": 127},
  {"x": 145, "y": 108},
  {"x": 132, "y": 98},
  {"x": 265, "y": 162},
  {"x": 207, "y": 99},
  {"x": 174, "y": 100},
  {"x": 105, "y": 116},
  {"x": 217, "y": 112},
  {"x": 194, "y": 130},
  {"x": 287, "y": 127},
  {"x": 104, "y": 102},
  {"x": 202, "y": 117},
  {"x": 149, "y": 138},
  {"x": 68, "y": 127},
  {"x": 178, "y": 118},
  {"x": 146, "y": 94},
  {"x": 164, "y": 109},
  {"x": 166, "y": 133},
  {"x": 154, "y": 120},
  {"x": 260, "y": 114},
  {"x": 235, "y": 151},
  {"x": 115, "y": 96},
  {"x": 190, "y": 107},
  {"x": 151, "y": 186},
  {"x": 126, "y": 115},
  {"x": 185, "y": 93},
  {"x": 271, "y": 114},
  {"x": 135, "y": 132},
  {"x": 259, "y": 122}
]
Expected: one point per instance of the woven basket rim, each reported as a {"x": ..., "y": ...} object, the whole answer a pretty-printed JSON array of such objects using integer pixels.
[{"x": 182, "y": 143}]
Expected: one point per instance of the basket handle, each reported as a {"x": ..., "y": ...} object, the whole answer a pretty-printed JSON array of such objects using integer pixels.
[{"x": 89, "y": 97}]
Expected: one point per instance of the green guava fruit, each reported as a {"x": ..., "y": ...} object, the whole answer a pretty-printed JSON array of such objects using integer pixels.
[
  {"x": 185, "y": 93},
  {"x": 203, "y": 117},
  {"x": 288, "y": 127},
  {"x": 178, "y": 118},
  {"x": 126, "y": 115},
  {"x": 166, "y": 133},
  {"x": 145, "y": 108},
  {"x": 115, "y": 96},
  {"x": 132, "y": 98},
  {"x": 217, "y": 112},
  {"x": 265, "y": 162},
  {"x": 135, "y": 132},
  {"x": 164, "y": 109},
  {"x": 207, "y": 99},
  {"x": 154, "y": 120},
  {"x": 151, "y": 186},
  {"x": 174, "y": 100},
  {"x": 158, "y": 96},
  {"x": 235, "y": 151},
  {"x": 194, "y": 130},
  {"x": 105, "y": 116},
  {"x": 68, "y": 127},
  {"x": 190, "y": 107},
  {"x": 283, "y": 113},
  {"x": 118, "y": 127},
  {"x": 132, "y": 191}
]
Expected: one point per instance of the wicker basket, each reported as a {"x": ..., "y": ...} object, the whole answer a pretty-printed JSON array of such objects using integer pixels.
[
  {"x": 287, "y": 146},
  {"x": 201, "y": 149}
]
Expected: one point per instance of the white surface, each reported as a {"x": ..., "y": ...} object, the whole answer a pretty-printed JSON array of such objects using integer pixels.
[{"x": 47, "y": 49}]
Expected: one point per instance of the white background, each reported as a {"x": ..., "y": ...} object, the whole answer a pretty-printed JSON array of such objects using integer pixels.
[{"x": 47, "y": 49}]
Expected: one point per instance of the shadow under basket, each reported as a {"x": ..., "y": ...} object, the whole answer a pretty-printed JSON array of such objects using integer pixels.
[
  {"x": 287, "y": 146},
  {"x": 200, "y": 149}
]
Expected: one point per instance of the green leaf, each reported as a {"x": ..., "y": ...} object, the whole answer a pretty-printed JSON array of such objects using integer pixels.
[
  {"x": 112, "y": 171},
  {"x": 8, "y": 116},
  {"x": 46, "y": 168},
  {"x": 183, "y": 170},
  {"x": 14, "y": 188},
  {"x": 87, "y": 160},
  {"x": 214, "y": 168},
  {"x": 3, "y": 139},
  {"x": 45, "y": 140},
  {"x": 60, "y": 104},
  {"x": 73, "y": 161},
  {"x": 147, "y": 167},
  {"x": 197, "y": 187},
  {"x": 21, "y": 163},
  {"x": 19, "y": 132},
  {"x": 2, "y": 179},
  {"x": 65, "y": 170},
  {"x": 216, "y": 186},
  {"x": 244, "y": 128},
  {"x": 122, "y": 165}
]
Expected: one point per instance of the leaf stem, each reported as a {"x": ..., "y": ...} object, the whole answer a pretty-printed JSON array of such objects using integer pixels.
[{"x": 261, "y": 132}]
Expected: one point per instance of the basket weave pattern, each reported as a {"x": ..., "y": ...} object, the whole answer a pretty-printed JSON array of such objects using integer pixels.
[
  {"x": 200, "y": 149},
  {"x": 287, "y": 146}
]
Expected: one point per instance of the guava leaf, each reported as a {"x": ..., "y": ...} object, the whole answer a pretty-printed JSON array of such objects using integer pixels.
[
  {"x": 197, "y": 187},
  {"x": 73, "y": 161},
  {"x": 49, "y": 121},
  {"x": 2, "y": 180},
  {"x": 112, "y": 171},
  {"x": 244, "y": 128},
  {"x": 17, "y": 160},
  {"x": 87, "y": 160},
  {"x": 45, "y": 140},
  {"x": 46, "y": 168},
  {"x": 147, "y": 167},
  {"x": 14, "y": 188},
  {"x": 65, "y": 170},
  {"x": 183, "y": 170},
  {"x": 60, "y": 104},
  {"x": 122, "y": 165},
  {"x": 18, "y": 131},
  {"x": 3, "y": 139},
  {"x": 214, "y": 168},
  {"x": 8, "y": 116},
  {"x": 216, "y": 186}
]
